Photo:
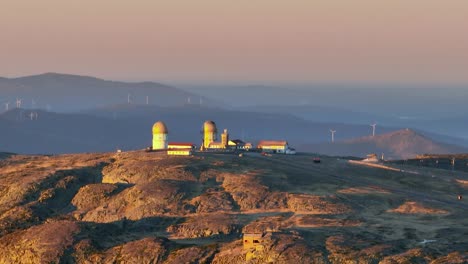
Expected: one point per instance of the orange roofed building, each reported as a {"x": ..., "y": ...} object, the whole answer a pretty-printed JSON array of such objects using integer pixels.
[
  {"x": 180, "y": 148},
  {"x": 275, "y": 146}
]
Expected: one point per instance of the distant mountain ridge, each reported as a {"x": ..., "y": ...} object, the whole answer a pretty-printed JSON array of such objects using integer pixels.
[
  {"x": 67, "y": 92},
  {"x": 401, "y": 144},
  {"x": 103, "y": 120},
  {"x": 129, "y": 127}
]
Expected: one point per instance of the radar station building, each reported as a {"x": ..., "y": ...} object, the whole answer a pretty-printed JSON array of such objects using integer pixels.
[
  {"x": 209, "y": 133},
  {"x": 220, "y": 145},
  {"x": 160, "y": 137}
]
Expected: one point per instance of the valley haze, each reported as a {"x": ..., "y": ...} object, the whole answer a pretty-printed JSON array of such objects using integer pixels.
[{"x": 88, "y": 114}]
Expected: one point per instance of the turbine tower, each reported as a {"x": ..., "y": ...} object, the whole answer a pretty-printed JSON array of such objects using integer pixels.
[
  {"x": 18, "y": 102},
  {"x": 332, "y": 135},
  {"x": 129, "y": 99},
  {"x": 373, "y": 129},
  {"x": 7, "y": 106},
  {"x": 147, "y": 100}
]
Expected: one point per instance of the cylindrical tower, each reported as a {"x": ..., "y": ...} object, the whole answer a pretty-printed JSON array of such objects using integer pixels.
[
  {"x": 225, "y": 138},
  {"x": 160, "y": 136},
  {"x": 209, "y": 133}
]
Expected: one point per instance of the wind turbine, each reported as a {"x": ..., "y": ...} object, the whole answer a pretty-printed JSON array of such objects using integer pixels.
[
  {"x": 147, "y": 100},
  {"x": 373, "y": 129},
  {"x": 332, "y": 135},
  {"x": 18, "y": 102},
  {"x": 129, "y": 99},
  {"x": 7, "y": 106},
  {"x": 31, "y": 115}
]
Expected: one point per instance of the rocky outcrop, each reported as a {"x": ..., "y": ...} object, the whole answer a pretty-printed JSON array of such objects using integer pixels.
[
  {"x": 340, "y": 250},
  {"x": 140, "y": 168},
  {"x": 416, "y": 255},
  {"x": 92, "y": 195},
  {"x": 161, "y": 197},
  {"x": 202, "y": 254},
  {"x": 250, "y": 194},
  {"x": 313, "y": 204},
  {"x": 214, "y": 200},
  {"x": 145, "y": 251},
  {"x": 205, "y": 226},
  {"x": 416, "y": 208},
  {"x": 45, "y": 243}
]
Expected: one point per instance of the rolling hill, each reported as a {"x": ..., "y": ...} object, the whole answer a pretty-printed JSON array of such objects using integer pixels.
[
  {"x": 66, "y": 92},
  {"x": 401, "y": 144}
]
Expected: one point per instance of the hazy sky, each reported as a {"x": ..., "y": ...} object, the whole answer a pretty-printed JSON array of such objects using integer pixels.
[{"x": 404, "y": 41}]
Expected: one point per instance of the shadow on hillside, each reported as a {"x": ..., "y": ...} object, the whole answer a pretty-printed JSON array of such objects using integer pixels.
[
  {"x": 108, "y": 235},
  {"x": 6, "y": 155},
  {"x": 52, "y": 197}
]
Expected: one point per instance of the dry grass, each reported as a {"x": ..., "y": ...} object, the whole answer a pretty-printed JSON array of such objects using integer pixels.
[
  {"x": 463, "y": 183},
  {"x": 312, "y": 221},
  {"x": 416, "y": 208},
  {"x": 364, "y": 190}
]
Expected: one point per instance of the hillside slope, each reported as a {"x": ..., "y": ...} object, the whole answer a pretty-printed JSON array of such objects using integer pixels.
[
  {"x": 401, "y": 144},
  {"x": 151, "y": 208}
]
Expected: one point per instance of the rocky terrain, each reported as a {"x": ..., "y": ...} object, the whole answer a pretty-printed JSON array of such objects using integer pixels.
[{"x": 139, "y": 207}]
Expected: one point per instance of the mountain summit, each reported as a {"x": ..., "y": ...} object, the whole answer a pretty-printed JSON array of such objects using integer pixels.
[{"x": 400, "y": 144}]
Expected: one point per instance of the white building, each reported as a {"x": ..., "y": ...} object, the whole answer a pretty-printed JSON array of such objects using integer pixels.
[{"x": 275, "y": 146}]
